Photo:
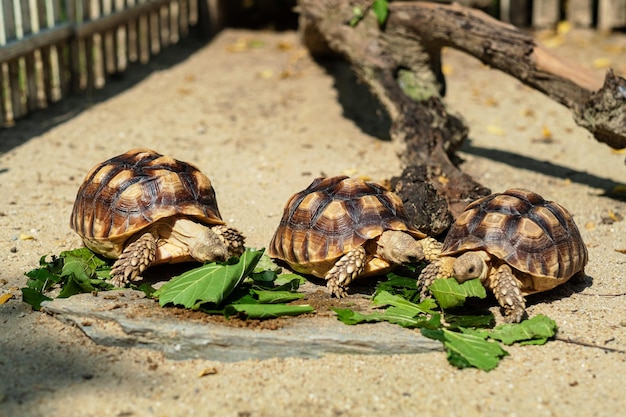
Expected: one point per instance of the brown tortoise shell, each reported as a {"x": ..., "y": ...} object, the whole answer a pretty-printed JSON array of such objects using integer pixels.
[
  {"x": 130, "y": 192},
  {"x": 331, "y": 217},
  {"x": 532, "y": 235}
]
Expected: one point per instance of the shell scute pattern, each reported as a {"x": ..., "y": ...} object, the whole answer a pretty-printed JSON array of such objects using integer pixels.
[
  {"x": 531, "y": 234},
  {"x": 129, "y": 192},
  {"x": 331, "y": 217}
]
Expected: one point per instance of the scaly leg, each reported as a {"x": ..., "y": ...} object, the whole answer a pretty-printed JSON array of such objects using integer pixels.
[
  {"x": 507, "y": 290},
  {"x": 431, "y": 248},
  {"x": 135, "y": 258},
  {"x": 345, "y": 270},
  {"x": 437, "y": 269}
]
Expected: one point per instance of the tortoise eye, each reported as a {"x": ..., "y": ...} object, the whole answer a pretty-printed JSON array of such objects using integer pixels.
[{"x": 471, "y": 270}]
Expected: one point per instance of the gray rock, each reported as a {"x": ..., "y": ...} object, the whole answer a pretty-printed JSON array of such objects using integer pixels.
[{"x": 110, "y": 319}]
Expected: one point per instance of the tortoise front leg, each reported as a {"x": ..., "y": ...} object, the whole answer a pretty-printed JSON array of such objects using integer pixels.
[
  {"x": 345, "y": 270},
  {"x": 135, "y": 259},
  {"x": 439, "y": 268},
  {"x": 507, "y": 290}
]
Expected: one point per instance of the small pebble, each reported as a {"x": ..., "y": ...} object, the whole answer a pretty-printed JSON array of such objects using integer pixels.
[{"x": 14, "y": 249}]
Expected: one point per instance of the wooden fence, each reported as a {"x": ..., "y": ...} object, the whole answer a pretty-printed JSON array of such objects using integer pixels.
[
  {"x": 602, "y": 14},
  {"x": 52, "y": 48}
]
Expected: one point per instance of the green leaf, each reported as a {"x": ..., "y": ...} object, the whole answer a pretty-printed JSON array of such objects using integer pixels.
[
  {"x": 210, "y": 283},
  {"x": 266, "y": 264},
  {"x": 264, "y": 276},
  {"x": 54, "y": 266},
  {"x": 466, "y": 349},
  {"x": 41, "y": 279},
  {"x": 80, "y": 274},
  {"x": 536, "y": 330},
  {"x": 34, "y": 297},
  {"x": 76, "y": 271},
  {"x": 265, "y": 270},
  {"x": 146, "y": 288},
  {"x": 406, "y": 287},
  {"x": 449, "y": 293},
  {"x": 351, "y": 317},
  {"x": 78, "y": 268},
  {"x": 482, "y": 319},
  {"x": 381, "y": 10},
  {"x": 266, "y": 311},
  {"x": 292, "y": 279},
  {"x": 273, "y": 297},
  {"x": 385, "y": 298},
  {"x": 103, "y": 275},
  {"x": 292, "y": 285},
  {"x": 402, "y": 317},
  {"x": 73, "y": 287},
  {"x": 92, "y": 260},
  {"x": 240, "y": 295},
  {"x": 44, "y": 277},
  {"x": 397, "y": 282}
]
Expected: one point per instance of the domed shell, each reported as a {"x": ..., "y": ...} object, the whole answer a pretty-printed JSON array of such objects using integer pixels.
[
  {"x": 131, "y": 192},
  {"x": 532, "y": 235},
  {"x": 331, "y": 217}
]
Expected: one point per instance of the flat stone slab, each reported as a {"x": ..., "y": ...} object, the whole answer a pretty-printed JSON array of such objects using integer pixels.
[{"x": 128, "y": 319}]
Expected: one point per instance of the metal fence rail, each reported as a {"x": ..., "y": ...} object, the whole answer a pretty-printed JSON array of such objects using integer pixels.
[{"x": 52, "y": 48}]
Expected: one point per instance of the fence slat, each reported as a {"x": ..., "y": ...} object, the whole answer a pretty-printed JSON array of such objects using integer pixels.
[
  {"x": 64, "y": 54},
  {"x": 516, "y": 12},
  {"x": 119, "y": 18},
  {"x": 580, "y": 12},
  {"x": 16, "y": 89},
  {"x": 29, "y": 70},
  {"x": 143, "y": 33},
  {"x": 49, "y": 48},
  {"x": 183, "y": 18},
  {"x": 19, "y": 48},
  {"x": 164, "y": 24},
  {"x": 155, "y": 32},
  {"x": 174, "y": 22},
  {"x": 545, "y": 13},
  {"x": 611, "y": 13},
  {"x": 4, "y": 111}
]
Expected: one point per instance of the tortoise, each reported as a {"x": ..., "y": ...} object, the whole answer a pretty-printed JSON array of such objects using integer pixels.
[
  {"x": 143, "y": 208},
  {"x": 340, "y": 228},
  {"x": 516, "y": 242}
]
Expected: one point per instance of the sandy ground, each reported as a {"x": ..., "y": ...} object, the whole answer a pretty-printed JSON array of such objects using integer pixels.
[{"x": 262, "y": 120}]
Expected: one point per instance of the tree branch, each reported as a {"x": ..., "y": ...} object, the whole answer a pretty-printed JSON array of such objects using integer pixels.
[{"x": 599, "y": 107}]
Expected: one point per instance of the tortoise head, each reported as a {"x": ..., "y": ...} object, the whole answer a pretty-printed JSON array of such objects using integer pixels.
[
  {"x": 398, "y": 247},
  {"x": 471, "y": 265},
  {"x": 208, "y": 247}
]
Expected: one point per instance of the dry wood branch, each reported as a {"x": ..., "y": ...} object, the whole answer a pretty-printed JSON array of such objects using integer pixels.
[
  {"x": 401, "y": 64},
  {"x": 406, "y": 79},
  {"x": 597, "y": 106}
]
